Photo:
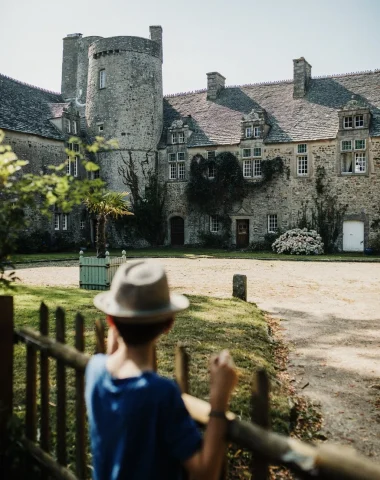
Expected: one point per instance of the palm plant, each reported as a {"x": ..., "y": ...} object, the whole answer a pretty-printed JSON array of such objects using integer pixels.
[{"x": 108, "y": 204}]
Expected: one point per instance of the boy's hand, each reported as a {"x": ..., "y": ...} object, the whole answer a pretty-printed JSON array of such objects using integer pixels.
[{"x": 223, "y": 378}]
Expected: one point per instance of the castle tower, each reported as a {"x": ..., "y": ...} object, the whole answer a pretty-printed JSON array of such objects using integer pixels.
[{"x": 125, "y": 101}]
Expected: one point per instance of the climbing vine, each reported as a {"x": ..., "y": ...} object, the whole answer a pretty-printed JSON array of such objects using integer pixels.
[{"x": 216, "y": 184}]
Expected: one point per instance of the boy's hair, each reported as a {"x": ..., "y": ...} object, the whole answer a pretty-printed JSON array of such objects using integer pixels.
[{"x": 140, "y": 334}]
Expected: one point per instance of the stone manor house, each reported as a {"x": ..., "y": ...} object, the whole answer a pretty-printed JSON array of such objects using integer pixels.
[{"x": 112, "y": 87}]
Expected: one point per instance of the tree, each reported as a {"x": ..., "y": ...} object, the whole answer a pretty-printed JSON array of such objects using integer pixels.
[
  {"x": 19, "y": 191},
  {"x": 107, "y": 204}
]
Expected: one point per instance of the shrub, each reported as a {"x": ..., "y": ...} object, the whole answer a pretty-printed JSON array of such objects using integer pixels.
[
  {"x": 212, "y": 240},
  {"x": 299, "y": 242}
]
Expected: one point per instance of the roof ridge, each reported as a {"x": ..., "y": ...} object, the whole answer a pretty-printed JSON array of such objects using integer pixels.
[
  {"x": 349, "y": 74},
  {"x": 30, "y": 85}
]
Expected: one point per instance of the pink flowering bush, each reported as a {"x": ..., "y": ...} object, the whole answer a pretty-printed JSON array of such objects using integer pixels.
[{"x": 299, "y": 242}]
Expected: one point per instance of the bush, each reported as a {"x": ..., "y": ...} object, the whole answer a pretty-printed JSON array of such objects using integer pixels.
[
  {"x": 212, "y": 240},
  {"x": 299, "y": 242}
]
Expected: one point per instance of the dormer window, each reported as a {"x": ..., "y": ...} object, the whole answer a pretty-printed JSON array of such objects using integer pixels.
[
  {"x": 178, "y": 137},
  {"x": 356, "y": 121},
  {"x": 248, "y": 132},
  {"x": 359, "y": 121},
  {"x": 256, "y": 132},
  {"x": 67, "y": 125},
  {"x": 347, "y": 122},
  {"x": 102, "y": 79}
]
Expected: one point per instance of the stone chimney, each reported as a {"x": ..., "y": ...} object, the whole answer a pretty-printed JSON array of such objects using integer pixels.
[
  {"x": 301, "y": 77},
  {"x": 156, "y": 35},
  {"x": 70, "y": 65},
  {"x": 215, "y": 83}
]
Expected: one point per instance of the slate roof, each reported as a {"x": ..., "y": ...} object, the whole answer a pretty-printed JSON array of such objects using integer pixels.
[
  {"x": 27, "y": 109},
  {"x": 314, "y": 117}
]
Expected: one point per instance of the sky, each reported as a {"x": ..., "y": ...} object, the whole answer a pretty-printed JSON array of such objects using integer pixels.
[{"x": 247, "y": 41}]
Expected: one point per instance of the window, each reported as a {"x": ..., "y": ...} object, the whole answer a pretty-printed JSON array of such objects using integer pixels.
[
  {"x": 257, "y": 132},
  {"x": 359, "y": 144},
  {"x": 73, "y": 147},
  {"x": 181, "y": 156},
  {"x": 177, "y": 171},
  {"x": 74, "y": 127},
  {"x": 175, "y": 137},
  {"x": 246, "y": 152},
  {"x": 346, "y": 145},
  {"x": 172, "y": 157},
  {"x": 211, "y": 170},
  {"x": 65, "y": 222},
  {"x": 214, "y": 224},
  {"x": 257, "y": 168},
  {"x": 272, "y": 223},
  {"x": 359, "y": 121},
  {"x": 68, "y": 125},
  {"x": 56, "y": 221},
  {"x": 302, "y": 167},
  {"x": 100, "y": 127},
  {"x": 181, "y": 137},
  {"x": 82, "y": 224},
  {"x": 173, "y": 171},
  {"x": 247, "y": 168},
  {"x": 302, "y": 148},
  {"x": 102, "y": 78},
  {"x": 360, "y": 162},
  {"x": 181, "y": 171},
  {"x": 68, "y": 166},
  {"x": 257, "y": 152},
  {"x": 248, "y": 132},
  {"x": 347, "y": 122},
  {"x": 94, "y": 175},
  {"x": 211, "y": 155},
  {"x": 75, "y": 166}
]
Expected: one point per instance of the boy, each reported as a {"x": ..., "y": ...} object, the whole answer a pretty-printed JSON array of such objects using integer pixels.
[{"x": 139, "y": 426}]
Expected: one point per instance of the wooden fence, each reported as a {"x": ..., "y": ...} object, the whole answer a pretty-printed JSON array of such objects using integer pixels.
[
  {"x": 97, "y": 273},
  {"x": 268, "y": 448}
]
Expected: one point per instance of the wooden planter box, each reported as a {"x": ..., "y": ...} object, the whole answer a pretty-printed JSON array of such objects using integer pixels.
[{"x": 97, "y": 273}]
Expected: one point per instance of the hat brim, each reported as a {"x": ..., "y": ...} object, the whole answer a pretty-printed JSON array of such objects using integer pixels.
[{"x": 106, "y": 303}]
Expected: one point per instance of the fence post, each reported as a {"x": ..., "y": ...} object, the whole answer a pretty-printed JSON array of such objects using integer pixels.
[
  {"x": 260, "y": 416},
  {"x": 182, "y": 368},
  {"x": 80, "y": 410},
  {"x": 239, "y": 286},
  {"x": 99, "y": 337},
  {"x": 6, "y": 369},
  {"x": 124, "y": 255}
]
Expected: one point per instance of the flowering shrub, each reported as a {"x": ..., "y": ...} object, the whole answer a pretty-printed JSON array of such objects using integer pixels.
[{"x": 299, "y": 242}]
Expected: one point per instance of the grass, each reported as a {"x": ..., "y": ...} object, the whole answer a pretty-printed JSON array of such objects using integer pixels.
[
  {"x": 187, "y": 252},
  {"x": 209, "y": 326}
]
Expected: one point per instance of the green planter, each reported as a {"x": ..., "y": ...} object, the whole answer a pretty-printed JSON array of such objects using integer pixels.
[{"x": 97, "y": 273}]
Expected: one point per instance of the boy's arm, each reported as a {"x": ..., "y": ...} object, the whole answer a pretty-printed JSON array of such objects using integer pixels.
[{"x": 207, "y": 463}]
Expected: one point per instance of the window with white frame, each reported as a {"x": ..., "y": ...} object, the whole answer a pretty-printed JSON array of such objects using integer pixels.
[
  {"x": 256, "y": 132},
  {"x": 214, "y": 224},
  {"x": 211, "y": 170},
  {"x": 346, "y": 145},
  {"x": 100, "y": 127},
  {"x": 257, "y": 168},
  {"x": 347, "y": 122},
  {"x": 252, "y": 167},
  {"x": 175, "y": 137},
  {"x": 75, "y": 166},
  {"x": 178, "y": 137},
  {"x": 82, "y": 224},
  {"x": 68, "y": 125},
  {"x": 74, "y": 127},
  {"x": 102, "y": 78},
  {"x": 65, "y": 221},
  {"x": 359, "y": 121},
  {"x": 56, "y": 221},
  {"x": 247, "y": 168},
  {"x": 359, "y": 144},
  {"x": 68, "y": 166},
  {"x": 360, "y": 162},
  {"x": 248, "y": 132},
  {"x": 172, "y": 157},
  {"x": 73, "y": 147},
  {"x": 181, "y": 171},
  {"x": 257, "y": 152},
  {"x": 272, "y": 223},
  {"x": 181, "y": 156},
  {"x": 247, "y": 153},
  {"x": 177, "y": 171},
  {"x": 173, "y": 171},
  {"x": 302, "y": 160}
]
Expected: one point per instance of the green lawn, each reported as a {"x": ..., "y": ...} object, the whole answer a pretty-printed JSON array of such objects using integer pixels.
[
  {"x": 209, "y": 326},
  {"x": 170, "y": 252}
]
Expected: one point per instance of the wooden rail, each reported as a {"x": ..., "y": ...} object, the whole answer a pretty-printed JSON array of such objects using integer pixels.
[{"x": 268, "y": 448}]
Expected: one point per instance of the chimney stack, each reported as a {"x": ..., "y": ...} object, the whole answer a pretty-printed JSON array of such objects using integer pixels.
[
  {"x": 215, "y": 83},
  {"x": 156, "y": 35},
  {"x": 301, "y": 77}
]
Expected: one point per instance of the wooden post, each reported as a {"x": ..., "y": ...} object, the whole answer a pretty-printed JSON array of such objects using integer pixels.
[
  {"x": 182, "y": 368},
  {"x": 44, "y": 386},
  {"x": 260, "y": 416},
  {"x": 99, "y": 336},
  {"x": 31, "y": 393},
  {"x": 6, "y": 366},
  {"x": 80, "y": 410},
  {"x": 239, "y": 286},
  {"x": 60, "y": 336}
]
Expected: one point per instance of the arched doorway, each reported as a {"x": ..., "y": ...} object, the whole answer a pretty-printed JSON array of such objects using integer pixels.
[{"x": 177, "y": 231}]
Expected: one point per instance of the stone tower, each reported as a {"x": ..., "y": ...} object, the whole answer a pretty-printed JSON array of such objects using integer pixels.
[{"x": 120, "y": 81}]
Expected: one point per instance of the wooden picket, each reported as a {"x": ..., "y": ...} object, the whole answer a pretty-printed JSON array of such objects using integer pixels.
[{"x": 268, "y": 448}]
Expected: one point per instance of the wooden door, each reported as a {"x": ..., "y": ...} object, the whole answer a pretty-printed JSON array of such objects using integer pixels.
[
  {"x": 242, "y": 233},
  {"x": 177, "y": 231},
  {"x": 353, "y": 236}
]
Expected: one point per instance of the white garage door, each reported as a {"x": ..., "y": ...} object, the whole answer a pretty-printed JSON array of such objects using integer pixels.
[{"x": 353, "y": 236}]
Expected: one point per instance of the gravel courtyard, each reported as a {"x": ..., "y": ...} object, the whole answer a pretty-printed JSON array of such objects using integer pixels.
[{"x": 331, "y": 317}]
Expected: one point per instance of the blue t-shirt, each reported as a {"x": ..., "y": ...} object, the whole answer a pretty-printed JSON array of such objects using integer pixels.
[{"x": 139, "y": 426}]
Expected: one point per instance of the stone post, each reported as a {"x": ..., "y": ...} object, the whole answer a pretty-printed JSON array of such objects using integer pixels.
[{"x": 239, "y": 286}]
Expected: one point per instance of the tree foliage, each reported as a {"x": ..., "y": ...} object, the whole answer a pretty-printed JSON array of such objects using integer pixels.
[
  {"x": 106, "y": 205},
  {"x": 20, "y": 191}
]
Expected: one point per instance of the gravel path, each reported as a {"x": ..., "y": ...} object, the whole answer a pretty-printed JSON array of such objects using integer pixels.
[{"x": 331, "y": 318}]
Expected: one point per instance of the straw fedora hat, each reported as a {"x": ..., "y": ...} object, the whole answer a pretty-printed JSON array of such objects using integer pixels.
[{"x": 140, "y": 292}]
